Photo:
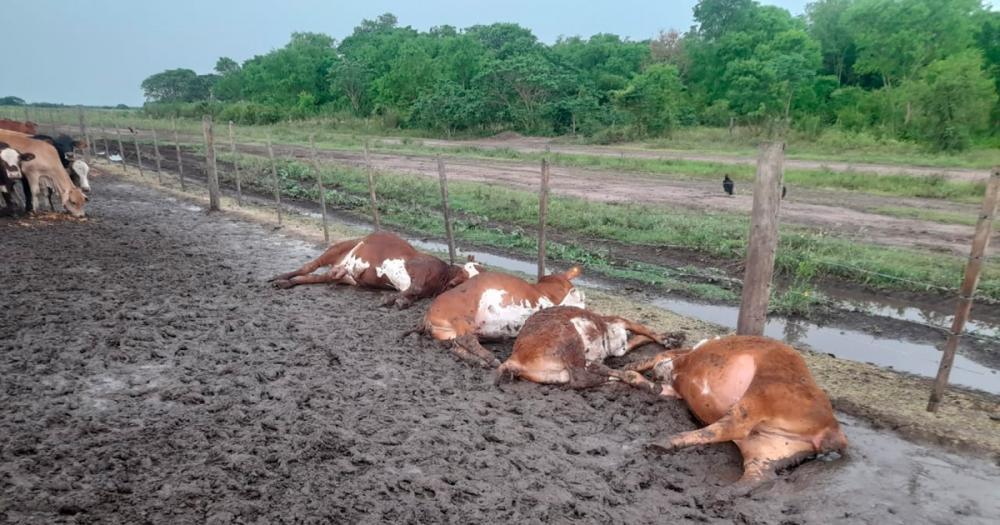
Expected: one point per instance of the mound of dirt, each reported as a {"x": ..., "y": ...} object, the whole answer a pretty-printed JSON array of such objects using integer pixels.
[{"x": 507, "y": 135}]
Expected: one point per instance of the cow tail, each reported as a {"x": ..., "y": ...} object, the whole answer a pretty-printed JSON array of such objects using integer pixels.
[{"x": 507, "y": 372}]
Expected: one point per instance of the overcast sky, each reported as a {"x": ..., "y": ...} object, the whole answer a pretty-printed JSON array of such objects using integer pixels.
[{"x": 99, "y": 51}]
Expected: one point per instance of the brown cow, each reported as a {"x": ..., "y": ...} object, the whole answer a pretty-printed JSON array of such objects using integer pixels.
[
  {"x": 47, "y": 169},
  {"x": 568, "y": 345},
  {"x": 381, "y": 260},
  {"x": 28, "y": 128},
  {"x": 754, "y": 391},
  {"x": 494, "y": 306}
]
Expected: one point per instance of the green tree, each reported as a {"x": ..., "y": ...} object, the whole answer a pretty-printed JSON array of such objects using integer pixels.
[
  {"x": 654, "y": 98},
  {"x": 177, "y": 85},
  {"x": 954, "y": 99},
  {"x": 828, "y": 24},
  {"x": 11, "y": 101}
]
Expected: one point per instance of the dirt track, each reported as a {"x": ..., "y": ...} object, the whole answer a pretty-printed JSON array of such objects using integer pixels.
[{"x": 149, "y": 375}]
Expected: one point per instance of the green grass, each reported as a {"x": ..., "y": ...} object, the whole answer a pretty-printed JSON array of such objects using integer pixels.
[
  {"x": 412, "y": 202},
  {"x": 830, "y": 144},
  {"x": 944, "y": 217},
  {"x": 931, "y": 187}
]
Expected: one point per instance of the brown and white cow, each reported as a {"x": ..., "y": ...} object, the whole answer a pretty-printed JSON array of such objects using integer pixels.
[
  {"x": 568, "y": 345},
  {"x": 28, "y": 128},
  {"x": 46, "y": 169},
  {"x": 754, "y": 391},
  {"x": 385, "y": 261},
  {"x": 494, "y": 306}
]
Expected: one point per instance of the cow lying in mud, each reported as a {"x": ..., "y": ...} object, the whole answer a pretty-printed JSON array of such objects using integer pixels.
[
  {"x": 381, "y": 260},
  {"x": 493, "y": 306},
  {"x": 754, "y": 391},
  {"x": 568, "y": 345}
]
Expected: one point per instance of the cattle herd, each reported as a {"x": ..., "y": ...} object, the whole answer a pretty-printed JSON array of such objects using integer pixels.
[
  {"x": 44, "y": 165},
  {"x": 754, "y": 391}
]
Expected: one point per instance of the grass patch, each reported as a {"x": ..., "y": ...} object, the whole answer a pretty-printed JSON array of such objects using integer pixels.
[
  {"x": 944, "y": 217},
  {"x": 413, "y": 202}
]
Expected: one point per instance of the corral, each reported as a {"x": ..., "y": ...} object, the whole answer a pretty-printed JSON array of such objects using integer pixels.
[{"x": 153, "y": 376}]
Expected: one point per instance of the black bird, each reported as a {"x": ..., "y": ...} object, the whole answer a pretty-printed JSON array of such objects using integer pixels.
[{"x": 727, "y": 184}]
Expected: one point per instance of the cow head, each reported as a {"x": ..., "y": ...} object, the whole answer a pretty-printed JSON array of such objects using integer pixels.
[
  {"x": 460, "y": 273},
  {"x": 560, "y": 290},
  {"x": 11, "y": 159},
  {"x": 81, "y": 170},
  {"x": 74, "y": 200}
]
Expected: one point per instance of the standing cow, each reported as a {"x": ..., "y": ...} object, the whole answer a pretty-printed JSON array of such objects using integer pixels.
[
  {"x": 381, "y": 260},
  {"x": 10, "y": 171},
  {"x": 753, "y": 391},
  {"x": 78, "y": 170},
  {"x": 45, "y": 169},
  {"x": 494, "y": 306}
]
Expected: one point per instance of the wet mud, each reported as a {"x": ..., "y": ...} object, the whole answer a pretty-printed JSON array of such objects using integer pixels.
[{"x": 149, "y": 374}]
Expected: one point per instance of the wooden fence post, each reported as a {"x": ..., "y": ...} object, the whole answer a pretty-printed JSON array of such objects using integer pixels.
[
  {"x": 447, "y": 211},
  {"x": 156, "y": 153},
  {"x": 104, "y": 140},
  {"x": 27, "y": 116},
  {"x": 213, "y": 175},
  {"x": 236, "y": 164},
  {"x": 543, "y": 208},
  {"x": 277, "y": 181},
  {"x": 319, "y": 186},
  {"x": 138, "y": 153},
  {"x": 85, "y": 135},
  {"x": 180, "y": 159},
  {"x": 371, "y": 188},
  {"x": 984, "y": 228},
  {"x": 763, "y": 239},
  {"x": 121, "y": 149}
]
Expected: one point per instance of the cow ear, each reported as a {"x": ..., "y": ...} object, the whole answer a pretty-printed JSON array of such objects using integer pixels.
[
  {"x": 25, "y": 157},
  {"x": 471, "y": 258}
]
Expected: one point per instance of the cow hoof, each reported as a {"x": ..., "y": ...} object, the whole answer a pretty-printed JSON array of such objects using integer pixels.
[
  {"x": 661, "y": 447},
  {"x": 284, "y": 285}
]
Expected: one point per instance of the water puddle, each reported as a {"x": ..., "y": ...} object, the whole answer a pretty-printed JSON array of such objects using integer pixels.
[{"x": 905, "y": 356}]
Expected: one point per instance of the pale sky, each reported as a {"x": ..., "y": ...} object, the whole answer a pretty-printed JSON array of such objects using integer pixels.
[{"x": 99, "y": 51}]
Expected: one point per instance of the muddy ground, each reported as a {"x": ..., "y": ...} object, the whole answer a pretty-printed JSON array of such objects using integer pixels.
[{"x": 149, "y": 375}]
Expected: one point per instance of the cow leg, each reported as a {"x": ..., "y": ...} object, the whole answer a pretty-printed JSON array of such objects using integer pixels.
[
  {"x": 642, "y": 331},
  {"x": 330, "y": 257},
  {"x": 34, "y": 188},
  {"x": 730, "y": 427},
  {"x": 335, "y": 275},
  {"x": 649, "y": 364},
  {"x": 468, "y": 344},
  {"x": 51, "y": 205},
  {"x": 401, "y": 300}
]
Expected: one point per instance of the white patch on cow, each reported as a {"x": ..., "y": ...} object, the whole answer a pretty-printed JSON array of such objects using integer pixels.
[
  {"x": 11, "y": 158},
  {"x": 354, "y": 265},
  {"x": 705, "y": 390},
  {"x": 573, "y": 298},
  {"x": 495, "y": 319},
  {"x": 470, "y": 268},
  {"x": 600, "y": 345},
  {"x": 395, "y": 271},
  {"x": 82, "y": 170}
]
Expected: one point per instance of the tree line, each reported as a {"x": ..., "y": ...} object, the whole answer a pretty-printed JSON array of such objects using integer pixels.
[{"x": 919, "y": 70}]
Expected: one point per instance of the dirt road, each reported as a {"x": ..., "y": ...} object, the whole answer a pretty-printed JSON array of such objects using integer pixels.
[
  {"x": 150, "y": 375},
  {"x": 539, "y": 145}
]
